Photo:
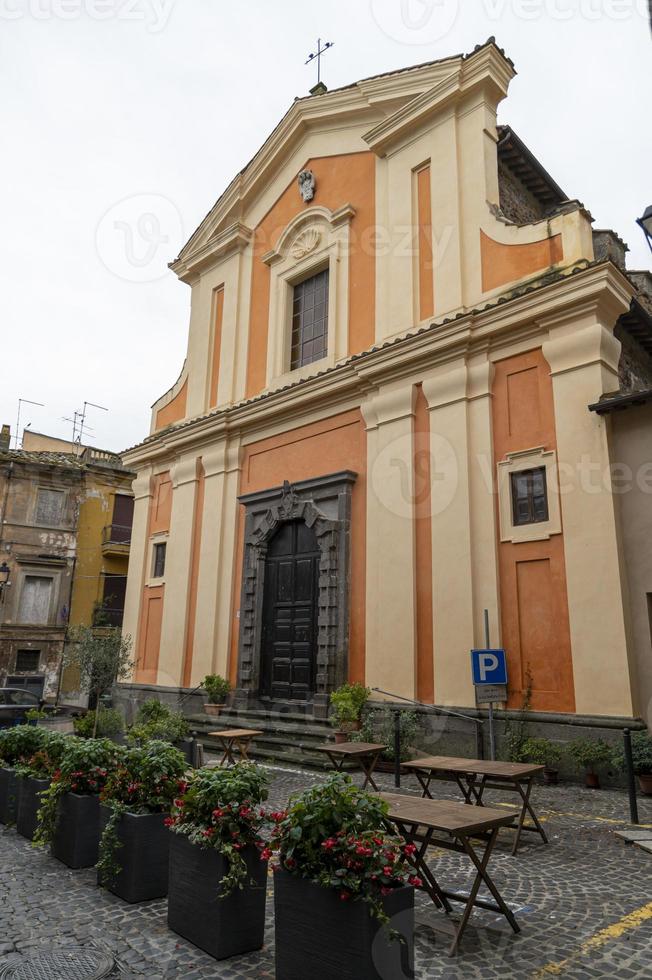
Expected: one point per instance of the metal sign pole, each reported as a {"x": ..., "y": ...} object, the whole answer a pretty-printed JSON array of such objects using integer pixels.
[{"x": 492, "y": 738}]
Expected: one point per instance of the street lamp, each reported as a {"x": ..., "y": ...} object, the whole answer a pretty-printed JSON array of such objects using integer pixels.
[{"x": 646, "y": 224}]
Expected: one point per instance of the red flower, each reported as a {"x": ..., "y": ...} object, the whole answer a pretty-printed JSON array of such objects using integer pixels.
[
  {"x": 265, "y": 854},
  {"x": 209, "y": 832},
  {"x": 344, "y": 896},
  {"x": 415, "y": 880},
  {"x": 385, "y": 891},
  {"x": 410, "y": 849},
  {"x": 387, "y": 871},
  {"x": 169, "y": 821}
]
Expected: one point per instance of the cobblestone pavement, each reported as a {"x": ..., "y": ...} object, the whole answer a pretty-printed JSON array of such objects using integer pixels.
[{"x": 584, "y": 903}]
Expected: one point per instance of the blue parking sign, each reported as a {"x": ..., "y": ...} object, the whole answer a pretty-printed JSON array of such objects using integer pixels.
[{"x": 489, "y": 666}]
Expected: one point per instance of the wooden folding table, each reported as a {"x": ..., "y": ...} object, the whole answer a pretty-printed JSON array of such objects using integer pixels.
[
  {"x": 365, "y": 754},
  {"x": 453, "y": 826},
  {"x": 232, "y": 738},
  {"x": 474, "y": 776}
]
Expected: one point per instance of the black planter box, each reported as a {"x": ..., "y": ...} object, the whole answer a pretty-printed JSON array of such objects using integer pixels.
[
  {"x": 320, "y": 936},
  {"x": 77, "y": 832},
  {"x": 29, "y": 804},
  {"x": 220, "y": 926},
  {"x": 8, "y": 795},
  {"x": 143, "y": 857}
]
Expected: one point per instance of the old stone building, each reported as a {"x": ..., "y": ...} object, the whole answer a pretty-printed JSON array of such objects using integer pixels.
[
  {"x": 65, "y": 528},
  {"x": 382, "y": 426}
]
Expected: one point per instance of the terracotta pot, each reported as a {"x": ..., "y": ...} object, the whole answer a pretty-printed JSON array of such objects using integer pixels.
[
  {"x": 341, "y": 737},
  {"x": 550, "y": 776},
  {"x": 592, "y": 780},
  {"x": 645, "y": 782},
  {"x": 213, "y": 709}
]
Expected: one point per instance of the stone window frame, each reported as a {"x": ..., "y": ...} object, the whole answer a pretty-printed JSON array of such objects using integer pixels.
[
  {"x": 315, "y": 240},
  {"x": 528, "y": 459},
  {"x": 313, "y": 501},
  {"x": 161, "y": 537}
]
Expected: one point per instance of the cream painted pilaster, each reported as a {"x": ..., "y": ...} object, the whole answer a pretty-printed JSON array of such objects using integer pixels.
[
  {"x": 216, "y": 561},
  {"x": 177, "y": 570},
  {"x": 483, "y": 523},
  {"x": 142, "y": 487},
  {"x": 390, "y": 601},
  {"x": 583, "y": 357},
  {"x": 452, "y": 558}
]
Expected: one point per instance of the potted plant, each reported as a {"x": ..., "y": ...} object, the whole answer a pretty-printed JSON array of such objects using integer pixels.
[
  {"x": 379, "y": 726},
  {"x": 17, "y": 745},
  {"x": 100, "y": 659},
  {"x": 156, "y": 720},
  {"x": 134, "y": 804},
  {"x": 543, "y": 752},
  {"x": 34, "y": 777},
  {"x": 347, "y": 703},
  {"x": 343, "y": 898},
  {"x": 218, "y": 689},
  {"x": 69, "y": 817},
  {"x": 590, "y": 754},
  {"x": 642, "y": 759},
  {"x": 104, "y": 722},
  {"x": 218, "y": 882}
]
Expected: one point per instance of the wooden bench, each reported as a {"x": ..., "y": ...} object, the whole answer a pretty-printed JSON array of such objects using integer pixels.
[
  {"x": 454, "y": 827},
  {"x": 474, "y": 776}
]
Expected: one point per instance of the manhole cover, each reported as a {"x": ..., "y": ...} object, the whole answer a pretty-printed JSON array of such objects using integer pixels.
[{"x": 73, "y": 963}]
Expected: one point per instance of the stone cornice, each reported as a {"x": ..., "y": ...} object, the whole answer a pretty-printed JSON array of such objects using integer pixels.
[
  {"x": 524, "y": 316},
  {"x": 234, "y": 238}
]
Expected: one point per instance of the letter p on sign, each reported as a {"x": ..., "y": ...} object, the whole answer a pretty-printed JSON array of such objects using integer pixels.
[{"x": 489, "y": 666}]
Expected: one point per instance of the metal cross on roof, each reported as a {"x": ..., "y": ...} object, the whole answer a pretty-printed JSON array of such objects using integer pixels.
[{"x": 318, "y": 55}]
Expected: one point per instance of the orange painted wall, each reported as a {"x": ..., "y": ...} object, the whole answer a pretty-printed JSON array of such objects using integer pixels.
[
  {"x": 423, "y": 550},
  {"x": 533, "y": 595},
  {"x": 195, "y": 551},
  {"x": 345, "y": 179},
  {"x": 218, "y": 315},
  {"x": 338, "y": 443},
  {"x": 502, "y": 264},
  {"x": 148, "y": 642},
  {"x": 424, "y": 218},
  {"x": 175, "y": 410}
]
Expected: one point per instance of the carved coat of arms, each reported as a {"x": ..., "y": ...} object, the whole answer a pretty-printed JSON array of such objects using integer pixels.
[{"x": 307, "y": 184}]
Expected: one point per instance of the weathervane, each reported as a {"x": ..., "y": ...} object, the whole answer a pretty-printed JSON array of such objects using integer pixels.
[{"x": 318, "y": 55}]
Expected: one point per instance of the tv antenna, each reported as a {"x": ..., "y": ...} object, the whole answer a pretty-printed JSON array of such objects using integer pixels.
[
  {"x": 21, "y": 402},
  {"x": 79, "y": 427},
  {"x": 318, "y": 54}
]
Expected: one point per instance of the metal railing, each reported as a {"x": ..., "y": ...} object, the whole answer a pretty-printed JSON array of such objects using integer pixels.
[
  {"x": 477, "y": 722},
  {"x": 116, "y": 534}
]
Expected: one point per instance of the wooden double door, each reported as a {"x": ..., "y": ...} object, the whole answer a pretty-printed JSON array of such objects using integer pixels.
[{"x": 290, "y": 610}]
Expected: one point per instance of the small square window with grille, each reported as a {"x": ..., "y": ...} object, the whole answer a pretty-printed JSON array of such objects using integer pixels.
[
  {"x": 159, "y": 560},
  {"x": 309, "y": 321},
  {"x": 529, "y": 497},
  {"x": 27, "y": 661},
  {"x": 49, "y": 507}
]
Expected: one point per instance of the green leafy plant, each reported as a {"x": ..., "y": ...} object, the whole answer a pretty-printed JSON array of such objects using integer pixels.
[
  {"x": 641, "y": 754},
  {"x": 541, "y": 752},
  {"x": 37, "y": 714},
  {"x": 516, "y": 730},
  {"x": 378, "y": 726},
  {"x": 147, "y": 780},
  {"x": 18, "y": 744},
  {"x": 220, "y": 810},
  {"x": 590, "y": 754},
  {"x": 217, "y": 688},
  {"x": 84, "y": 768},
  {"x": 333, "y": 834},
  {"x": 347, "y": 703},
  {"x": 100, "y": 658},
  {"x": 104, "y": 722},
  {"x": 156, "y": 720},
  {"x": 45, "y": 761}
]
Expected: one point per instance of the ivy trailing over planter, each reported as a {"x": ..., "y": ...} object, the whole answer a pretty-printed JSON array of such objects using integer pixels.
[
  {"x": 46, "y": 759},
  {"x": 219, "y": 809},
  {"x": 147, "y": 780},
  {"x": 334, "y": 836},
  {"x": 84, "y": 768}
]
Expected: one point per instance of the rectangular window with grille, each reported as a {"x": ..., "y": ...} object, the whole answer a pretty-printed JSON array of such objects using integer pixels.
[
  {"x": 27, "y": 661},
  {"x": 309, "y": 321},
  {"x": 49, "y": 507},
  {"x": 529, "y": 497},
  {"x": 159, "y": 560}
]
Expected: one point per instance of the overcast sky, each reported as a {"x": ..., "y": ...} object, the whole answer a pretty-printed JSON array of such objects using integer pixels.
[{"x": 123, "y": 120}]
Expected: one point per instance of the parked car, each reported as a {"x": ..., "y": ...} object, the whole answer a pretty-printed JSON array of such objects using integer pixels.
[{"x": 14, "y": 703}]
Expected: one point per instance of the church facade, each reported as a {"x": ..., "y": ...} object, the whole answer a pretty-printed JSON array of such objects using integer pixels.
[{"x": 382, "y": 426}]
